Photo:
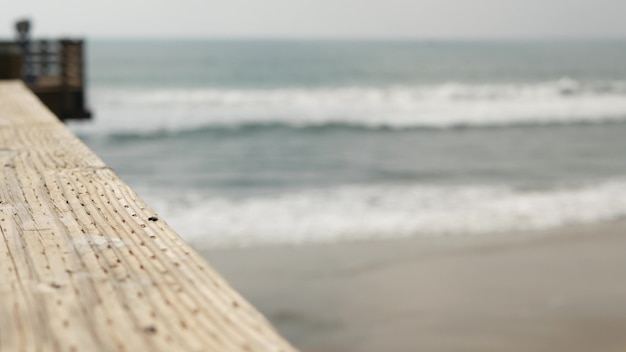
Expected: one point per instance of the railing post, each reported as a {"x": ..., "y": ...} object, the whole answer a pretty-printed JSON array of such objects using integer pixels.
[
  {"x": 10, "y": 61},
  {"x": 66, "y": 72}
]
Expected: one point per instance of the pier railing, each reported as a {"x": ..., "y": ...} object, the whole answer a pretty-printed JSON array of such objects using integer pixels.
[
  {"x": 86, "y": 265},
  {"x": 53, "y": 69},
  {"x": 54, "y": 63}
]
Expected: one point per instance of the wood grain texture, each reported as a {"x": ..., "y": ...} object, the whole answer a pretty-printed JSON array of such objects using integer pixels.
[{"x": 82, "y": 268}]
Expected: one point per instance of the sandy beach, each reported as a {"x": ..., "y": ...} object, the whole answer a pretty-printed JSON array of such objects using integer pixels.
[{"x": 557, "y": 290}]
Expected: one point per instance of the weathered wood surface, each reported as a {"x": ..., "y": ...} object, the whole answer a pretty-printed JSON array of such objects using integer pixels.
[{"x": 82, "y": 268}]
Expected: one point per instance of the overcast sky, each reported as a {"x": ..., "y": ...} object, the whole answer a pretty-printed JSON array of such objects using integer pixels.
[{"x": 421, "y": 19}]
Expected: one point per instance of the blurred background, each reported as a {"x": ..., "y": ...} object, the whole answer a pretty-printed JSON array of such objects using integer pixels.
[{"x": 350, "y": 140}]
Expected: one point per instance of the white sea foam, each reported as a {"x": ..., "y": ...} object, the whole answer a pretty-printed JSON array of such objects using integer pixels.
[
  {"x": 432, "y": 106},
  {"x": 381, "y": 212}
]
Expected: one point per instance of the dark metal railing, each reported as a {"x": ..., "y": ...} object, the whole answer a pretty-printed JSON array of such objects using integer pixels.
[
  {"x": 54, "y": 62},
  {"x": 44, "y": 59}
]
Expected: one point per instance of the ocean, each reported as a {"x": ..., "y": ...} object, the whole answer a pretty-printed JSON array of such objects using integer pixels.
[{"x": 272, "y": 142}]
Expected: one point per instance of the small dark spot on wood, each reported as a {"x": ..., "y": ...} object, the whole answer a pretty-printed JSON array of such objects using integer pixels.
[
  {"x": 55, "y": 285},
  {"x": 153, "y": 218},
  {"x": 150, "y": 330},
  {"x": 235, "y": 304}
]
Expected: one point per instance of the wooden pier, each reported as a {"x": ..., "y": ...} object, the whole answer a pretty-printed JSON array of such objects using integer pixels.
[
  {"x": 59, "y": 81},
  {"x": 86, "y": 265},
  {"x": 53, "y": 69}
]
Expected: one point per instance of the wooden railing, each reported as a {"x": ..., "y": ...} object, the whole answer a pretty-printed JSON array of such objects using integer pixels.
[{"x": 86, "y": 265}]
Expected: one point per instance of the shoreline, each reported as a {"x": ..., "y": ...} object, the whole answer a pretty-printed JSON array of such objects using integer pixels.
[{"x": 560, "y": 289}]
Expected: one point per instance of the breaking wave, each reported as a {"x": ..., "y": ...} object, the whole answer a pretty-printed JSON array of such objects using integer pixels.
[
  {"x": 351, "y": 213},
  {"x": 442, "y": 106}
]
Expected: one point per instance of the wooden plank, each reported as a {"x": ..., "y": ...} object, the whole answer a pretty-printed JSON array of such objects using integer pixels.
[{"x": 82, "y": 266}]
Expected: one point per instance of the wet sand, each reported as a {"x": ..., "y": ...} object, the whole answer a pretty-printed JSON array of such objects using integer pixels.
[{"x": 558, "y": 290}]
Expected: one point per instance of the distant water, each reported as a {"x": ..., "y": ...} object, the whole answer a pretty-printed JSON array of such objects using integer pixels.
[{"x": 261, "y": 142}]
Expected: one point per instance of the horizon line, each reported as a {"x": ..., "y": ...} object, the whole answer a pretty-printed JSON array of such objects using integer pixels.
[{"x": 356, "y": 38}]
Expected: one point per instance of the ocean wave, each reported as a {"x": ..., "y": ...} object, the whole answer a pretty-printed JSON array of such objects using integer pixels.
[
  {"x": 452, "y": 105},
  {"x": 452, "y": 91},
  {"x": 219, "y": 131},
  {"x": 382, "y": 212}
]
